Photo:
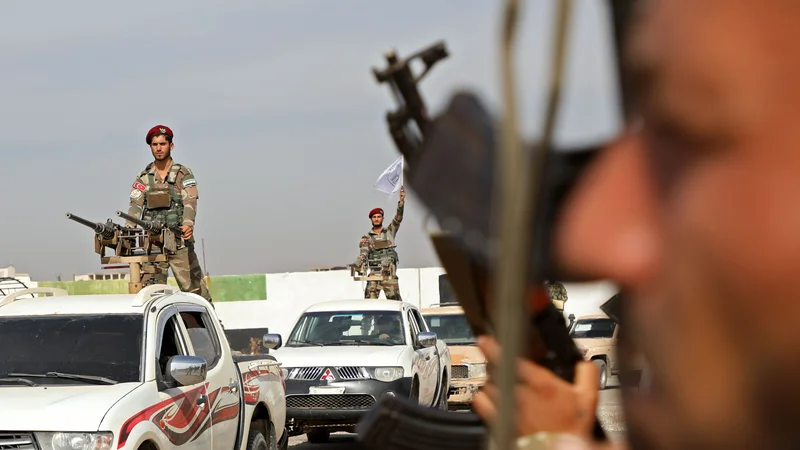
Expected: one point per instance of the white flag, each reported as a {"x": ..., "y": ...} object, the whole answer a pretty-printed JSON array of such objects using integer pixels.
[{"x": 391, "y": 179}]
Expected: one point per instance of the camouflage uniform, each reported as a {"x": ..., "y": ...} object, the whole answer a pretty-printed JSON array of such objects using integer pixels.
[
  {"x": 180, "y": 188},
  {"x": 381, "y": 247},
  {"x": 557, "y": 293}
]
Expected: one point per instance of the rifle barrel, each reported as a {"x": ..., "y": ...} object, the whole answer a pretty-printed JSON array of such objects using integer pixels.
[
  {"x": 82, "y": 221},
  {"x": 147, "y": 226}
]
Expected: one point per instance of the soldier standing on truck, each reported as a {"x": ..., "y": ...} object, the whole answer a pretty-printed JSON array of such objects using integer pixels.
[
  {"x": 377, "y": 248},
  {"x": 167, "y": 191}
]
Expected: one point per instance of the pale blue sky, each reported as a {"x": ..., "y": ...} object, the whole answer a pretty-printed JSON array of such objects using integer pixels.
[{"x": 274, "y": 107}]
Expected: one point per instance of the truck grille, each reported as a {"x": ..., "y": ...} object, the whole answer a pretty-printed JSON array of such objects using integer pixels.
[
  {"x": 460, "y": 371},
  {"x": 347, "y": 373},
  {"x": 325, "y": 401},
  {"x": 353, "y": 373},
  {"x": 16, "y": 441},
  {"x": 305, "y": 373}
]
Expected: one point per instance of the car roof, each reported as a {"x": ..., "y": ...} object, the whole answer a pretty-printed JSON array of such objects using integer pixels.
[
  {"x": 358, "y": 305},
  {"x": 63, "y": 304},
  {"x": 442, "y": 310},
  {"x": 72, "y": 304}
]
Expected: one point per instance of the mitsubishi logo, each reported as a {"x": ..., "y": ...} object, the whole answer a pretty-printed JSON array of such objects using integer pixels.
[{"x": 328, "y": 375}]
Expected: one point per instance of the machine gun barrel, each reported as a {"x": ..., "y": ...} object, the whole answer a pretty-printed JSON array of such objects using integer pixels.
[
  {"x": 107, "y": 230},
  {"x": 147, "y": 225}
]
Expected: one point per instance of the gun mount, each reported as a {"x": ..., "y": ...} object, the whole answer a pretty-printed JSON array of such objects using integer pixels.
[
  {"x": 374, "y": 270},
  {"x": 130, "y": 247},
  {"x": 157, "y": 233}
]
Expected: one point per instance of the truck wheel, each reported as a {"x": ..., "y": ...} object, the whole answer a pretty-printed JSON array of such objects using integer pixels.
[
  {"x": 318, "y": 436},
  {"x": 256, "y": 441},
  {"x": 601, "y": 365},
  {"x": 283, "y": 444},
  {"x": 443, "y": 394},
  {"x": 414, "y": 397}
]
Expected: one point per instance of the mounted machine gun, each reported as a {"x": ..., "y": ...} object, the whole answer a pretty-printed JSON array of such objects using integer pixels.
[
  {"x": 156, "y": 233},
  {"x": 131, "y": 248},
  {"x": 374, "y": 269}
]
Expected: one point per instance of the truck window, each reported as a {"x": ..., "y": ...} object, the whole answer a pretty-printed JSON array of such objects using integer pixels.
[
  {"x": 201, "y": 337},
  {"x": 413, "y": 327},
  {"x": 421, "y": 325},
  {"x": 593, "y": 329},
  {"x": 170, "y": 346},
  {"x": 106, "y": 345},
  {"x": 347, "y": 328},
  {"x": 453, "y": 329}
]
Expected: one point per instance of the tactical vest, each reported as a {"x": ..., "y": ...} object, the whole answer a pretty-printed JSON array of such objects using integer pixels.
[
  {"x": 163, "y": 202},
  {"x": 384, "y": 251}
]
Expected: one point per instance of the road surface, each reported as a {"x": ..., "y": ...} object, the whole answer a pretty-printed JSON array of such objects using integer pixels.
[{"x": 609, "y": 411}]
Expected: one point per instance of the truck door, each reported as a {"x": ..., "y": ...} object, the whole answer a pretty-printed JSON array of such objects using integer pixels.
[
  {"x": 424, "y": 359},
  {"x": 180, "y": 415},
  {"x": 432, "y": 363},
  {"x": 224, "y": 385}
]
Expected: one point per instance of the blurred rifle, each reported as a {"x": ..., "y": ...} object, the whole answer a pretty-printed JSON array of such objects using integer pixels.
[{"x": 452, "y": 167}]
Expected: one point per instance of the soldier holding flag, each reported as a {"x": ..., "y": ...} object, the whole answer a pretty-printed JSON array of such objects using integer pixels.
[{"x": 377, "y": 247}]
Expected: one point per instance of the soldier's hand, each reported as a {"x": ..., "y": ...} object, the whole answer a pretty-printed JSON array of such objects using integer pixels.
[
  {"x": 187, "y": 231},
  {"x": 545, "y": 402},
  {"x": 402, "y": 193}
]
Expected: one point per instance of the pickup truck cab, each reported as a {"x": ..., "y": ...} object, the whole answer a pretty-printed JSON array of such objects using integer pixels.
[
  {"x": 146, "y": 371},
  {"x": 468, "y": 363},
  {"x": 343, "y": 355}
]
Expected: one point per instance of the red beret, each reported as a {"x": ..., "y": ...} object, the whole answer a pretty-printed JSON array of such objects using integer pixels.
[
  {"x": 156, "y": 130},
  {"x": 375, "y": 211}
]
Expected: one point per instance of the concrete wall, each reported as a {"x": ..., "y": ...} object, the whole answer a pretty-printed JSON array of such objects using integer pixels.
[
  {"x": 223, "y": 288},
  {"x": 276, "y": 300}
]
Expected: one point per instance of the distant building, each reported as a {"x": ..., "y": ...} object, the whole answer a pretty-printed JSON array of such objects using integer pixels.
[
  {"x": 99, "y": 276},
  {"x": 12, "y": 281}
]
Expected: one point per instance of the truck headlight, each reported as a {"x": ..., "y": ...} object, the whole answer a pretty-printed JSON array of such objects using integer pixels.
[
  {"x": 387, "y": 374},
  {"x": 75, "y": 441},
  {"x": 477, "y": 370}
]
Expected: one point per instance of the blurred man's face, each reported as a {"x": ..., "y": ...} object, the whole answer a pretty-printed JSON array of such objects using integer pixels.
[{"x": 695, "y": 211}]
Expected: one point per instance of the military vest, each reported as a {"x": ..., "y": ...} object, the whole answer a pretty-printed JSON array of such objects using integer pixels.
[
  {"x": 384, "y": 249},
  {"x": 163, "y": 201}
]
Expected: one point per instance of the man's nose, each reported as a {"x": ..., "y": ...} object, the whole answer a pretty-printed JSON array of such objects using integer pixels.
[{"x": 608, "y": 227}]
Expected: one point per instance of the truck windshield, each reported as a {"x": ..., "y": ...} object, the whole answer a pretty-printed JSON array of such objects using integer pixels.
[
  {"x": 593, "y": 328},
  {"x": 453, "y": 329},
  {"x": 336, "y": 328},
  {"x": 106, "y": 346}
]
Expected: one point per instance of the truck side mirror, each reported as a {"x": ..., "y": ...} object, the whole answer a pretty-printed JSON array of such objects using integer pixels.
[
  {"x": 186, "y": 370},
  {"x": 272, "y": 341},
  {"x": 426, "y": 339}
]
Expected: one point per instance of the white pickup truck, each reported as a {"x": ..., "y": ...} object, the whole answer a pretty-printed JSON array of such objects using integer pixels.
[
  {"x": 342, "y": 356},
  {"x": 142, "y": 372}
]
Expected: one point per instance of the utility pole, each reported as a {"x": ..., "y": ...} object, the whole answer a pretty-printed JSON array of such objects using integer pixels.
[{"x": 203, "y": 245}]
